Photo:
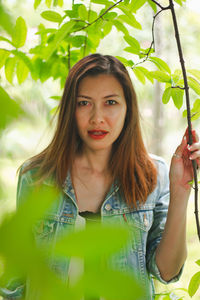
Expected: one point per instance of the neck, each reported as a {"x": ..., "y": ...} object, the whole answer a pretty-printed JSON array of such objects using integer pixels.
[{"x": 95, "y": 161}]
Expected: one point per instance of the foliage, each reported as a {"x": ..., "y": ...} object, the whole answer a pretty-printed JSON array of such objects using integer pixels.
[
  {"x": 64, "y": 37},
  {"x": 73, "y": 33},
  {"x": 27, "y": 259}
]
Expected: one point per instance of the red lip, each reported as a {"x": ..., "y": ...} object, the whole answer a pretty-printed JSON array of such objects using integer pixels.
[{"x": 97, "y": 134}]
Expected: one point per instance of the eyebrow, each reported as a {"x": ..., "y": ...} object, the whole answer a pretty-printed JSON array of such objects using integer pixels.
[{"x": 108, "y": 96}]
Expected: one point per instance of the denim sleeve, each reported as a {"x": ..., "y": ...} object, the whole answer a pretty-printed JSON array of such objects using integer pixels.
[
  {"x": 15, "y": 288},
  {"x": 160, "y": 216}
]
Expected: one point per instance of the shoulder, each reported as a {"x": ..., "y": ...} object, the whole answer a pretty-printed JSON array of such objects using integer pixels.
[{"x": 162, "y": 170}]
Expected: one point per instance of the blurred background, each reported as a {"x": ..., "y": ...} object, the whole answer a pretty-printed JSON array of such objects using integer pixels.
[{"x": 163, "y": 125}]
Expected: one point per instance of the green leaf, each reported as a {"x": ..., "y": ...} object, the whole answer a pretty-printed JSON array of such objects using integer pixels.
[
  {"x": 194, "y": 284},
  {"x": 2, "y": 38},
  {"x": 60, "y": 3},
  {"x": 166, "y": 95},
  {"x": 153, "y": 5},
  {"x": 130, "y": 21},
  {"x": 9, "y": 111},
  {"x": 37, "y": 3},
  {"x": 104, "y": 2},
  {"x": 131, "y": 50},
  {"x": 80, "y": 243},
  {"x": 195, "y": 73},
  {"x": 146, "y": 73},
  {"x": 177, "y": 96},
  {"x": 4, "y": 54},
  {"x": 135, "y": 45},
  {"x": 160, "y": 76},
  {"x": 6, "y": 21},
  {"x": 127, "y": 63},
  {"x": 137, "y": 4},
  {"x": 51, "y": 16},
  {"x": 161, "y": 64},
  {"x": 48, "y": 3},
  {"x": 20, "y": 33},
  {"x": 140, "y": 76},
  {"x": 62, "y": 32},
  {"x": 10, "y": 68},
  {"x": 83, "y": 13},
  {"x": 25, "y": 59},
  {"x": 22, "y": 71},
  {"x": 194, "y": 84},
  {"x": 120, "y": 26},
  {"x": 179, "y": 2},
  {"x": 198, "y": 261}
]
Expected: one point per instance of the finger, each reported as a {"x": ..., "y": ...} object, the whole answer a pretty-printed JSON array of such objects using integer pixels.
[
  {"x": 182, "y": 146},
  {"x": 195, "y": 155},
  {"x": 194, "y": 147}
]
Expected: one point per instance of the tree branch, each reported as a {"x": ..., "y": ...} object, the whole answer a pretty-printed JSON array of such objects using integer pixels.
[{"x": 100, "y": 17}]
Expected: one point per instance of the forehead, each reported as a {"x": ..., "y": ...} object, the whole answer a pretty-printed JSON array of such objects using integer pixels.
[{"x": 100, "y": 84}]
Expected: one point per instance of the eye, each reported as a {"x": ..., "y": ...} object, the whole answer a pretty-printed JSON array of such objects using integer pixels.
[
  {"x": 111, "y": 102},
  {"x": 82, "y": 103}
]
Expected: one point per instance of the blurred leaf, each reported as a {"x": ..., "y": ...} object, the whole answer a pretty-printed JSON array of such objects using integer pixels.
[
  {"x": 137, "y": 4},
  {"x": 4, "y": 54},
  {"x": 2, "y": 38},
  {"x": 22, "y": 71},
  {"x": 60, "y": 3},
  {"x": 19, "y": 33},
  {"x": 146, "y": 73},
  {"x": 195, "y": 73},
  {"x": 135, "y": 45},
  {"x": 112, "y": 285},
  {"x": 195, "y": 111},
  {"x": 37, "y": 3},
  {"x": 127, "y": 63},
  {"x": 194, "y": 284},
  {"x": 61, "y": 33},
  {"x": 83, "y": 13},
  {"x": 153, "y": 5},
  {"x": 100, "y": 1},
  {"x": 180, "y": 2},
  {"x": 198, "y": 261},
  {"x": 10, "y": 65},
  {"x": 130, "y": 21},
  {"x": 161, "y": 64},
  {"x": 81, "y": 243},
  {"x": 166, "y": 95},
  {"x": 120, "y": 26},
  {"x": 140, "y": 76},
  {"x": 6, "y": 21},
  {"x": 194, "y": 84},
  {"x": 177, "y": 96},
  {"x": 9, "y": 111},
  {"x": 48, "y": 3},
  {"x": 51, "y": 16},
  {"x": 160, "y": 76}
]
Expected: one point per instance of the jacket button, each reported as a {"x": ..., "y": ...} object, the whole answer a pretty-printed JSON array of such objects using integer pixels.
[{"x": 108, "y": 207}]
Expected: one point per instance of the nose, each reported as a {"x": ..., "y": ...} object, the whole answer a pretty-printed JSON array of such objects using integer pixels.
[{"x": 97, "y": 116}]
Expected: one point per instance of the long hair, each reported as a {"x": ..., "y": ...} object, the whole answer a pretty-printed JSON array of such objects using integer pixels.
[{"x": 129, "y": 162}]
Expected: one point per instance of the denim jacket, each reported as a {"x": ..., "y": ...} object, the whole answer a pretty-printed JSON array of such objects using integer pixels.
[{"x": 146, "y": 222}]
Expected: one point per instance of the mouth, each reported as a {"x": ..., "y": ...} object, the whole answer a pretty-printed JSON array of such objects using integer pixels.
[{"x": 97, "y": 134}]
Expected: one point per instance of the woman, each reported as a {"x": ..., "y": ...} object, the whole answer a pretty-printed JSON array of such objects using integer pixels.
[{"x": 98, "y": 159}]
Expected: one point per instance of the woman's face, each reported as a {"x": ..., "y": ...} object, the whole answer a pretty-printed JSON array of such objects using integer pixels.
[{"x": 100, "y": 111}]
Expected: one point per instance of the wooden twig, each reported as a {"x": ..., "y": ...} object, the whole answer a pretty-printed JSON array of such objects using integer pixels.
[{"x": 186, "y": 88}]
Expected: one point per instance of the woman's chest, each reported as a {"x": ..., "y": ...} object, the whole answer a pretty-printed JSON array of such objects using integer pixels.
[{"x": 90, "y": 191}]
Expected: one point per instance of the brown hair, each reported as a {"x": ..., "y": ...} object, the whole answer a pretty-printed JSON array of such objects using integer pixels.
[{"x": 129, "y": 162}]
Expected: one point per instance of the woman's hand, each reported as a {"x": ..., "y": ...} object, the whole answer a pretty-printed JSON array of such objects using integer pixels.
[{"x": 181, "y": 171}]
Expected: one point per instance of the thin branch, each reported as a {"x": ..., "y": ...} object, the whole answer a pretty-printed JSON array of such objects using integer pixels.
[
  {"x": 152, "y": 46},
  {"x": 186, "y": 87},
  {"x": 69, "y": 58},
  {"x": 100, "y": 17},
  {"x": 178, "y": 87}
]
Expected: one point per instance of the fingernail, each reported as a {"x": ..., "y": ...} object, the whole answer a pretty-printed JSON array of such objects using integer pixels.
[{"x": 188, "y": 146}]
